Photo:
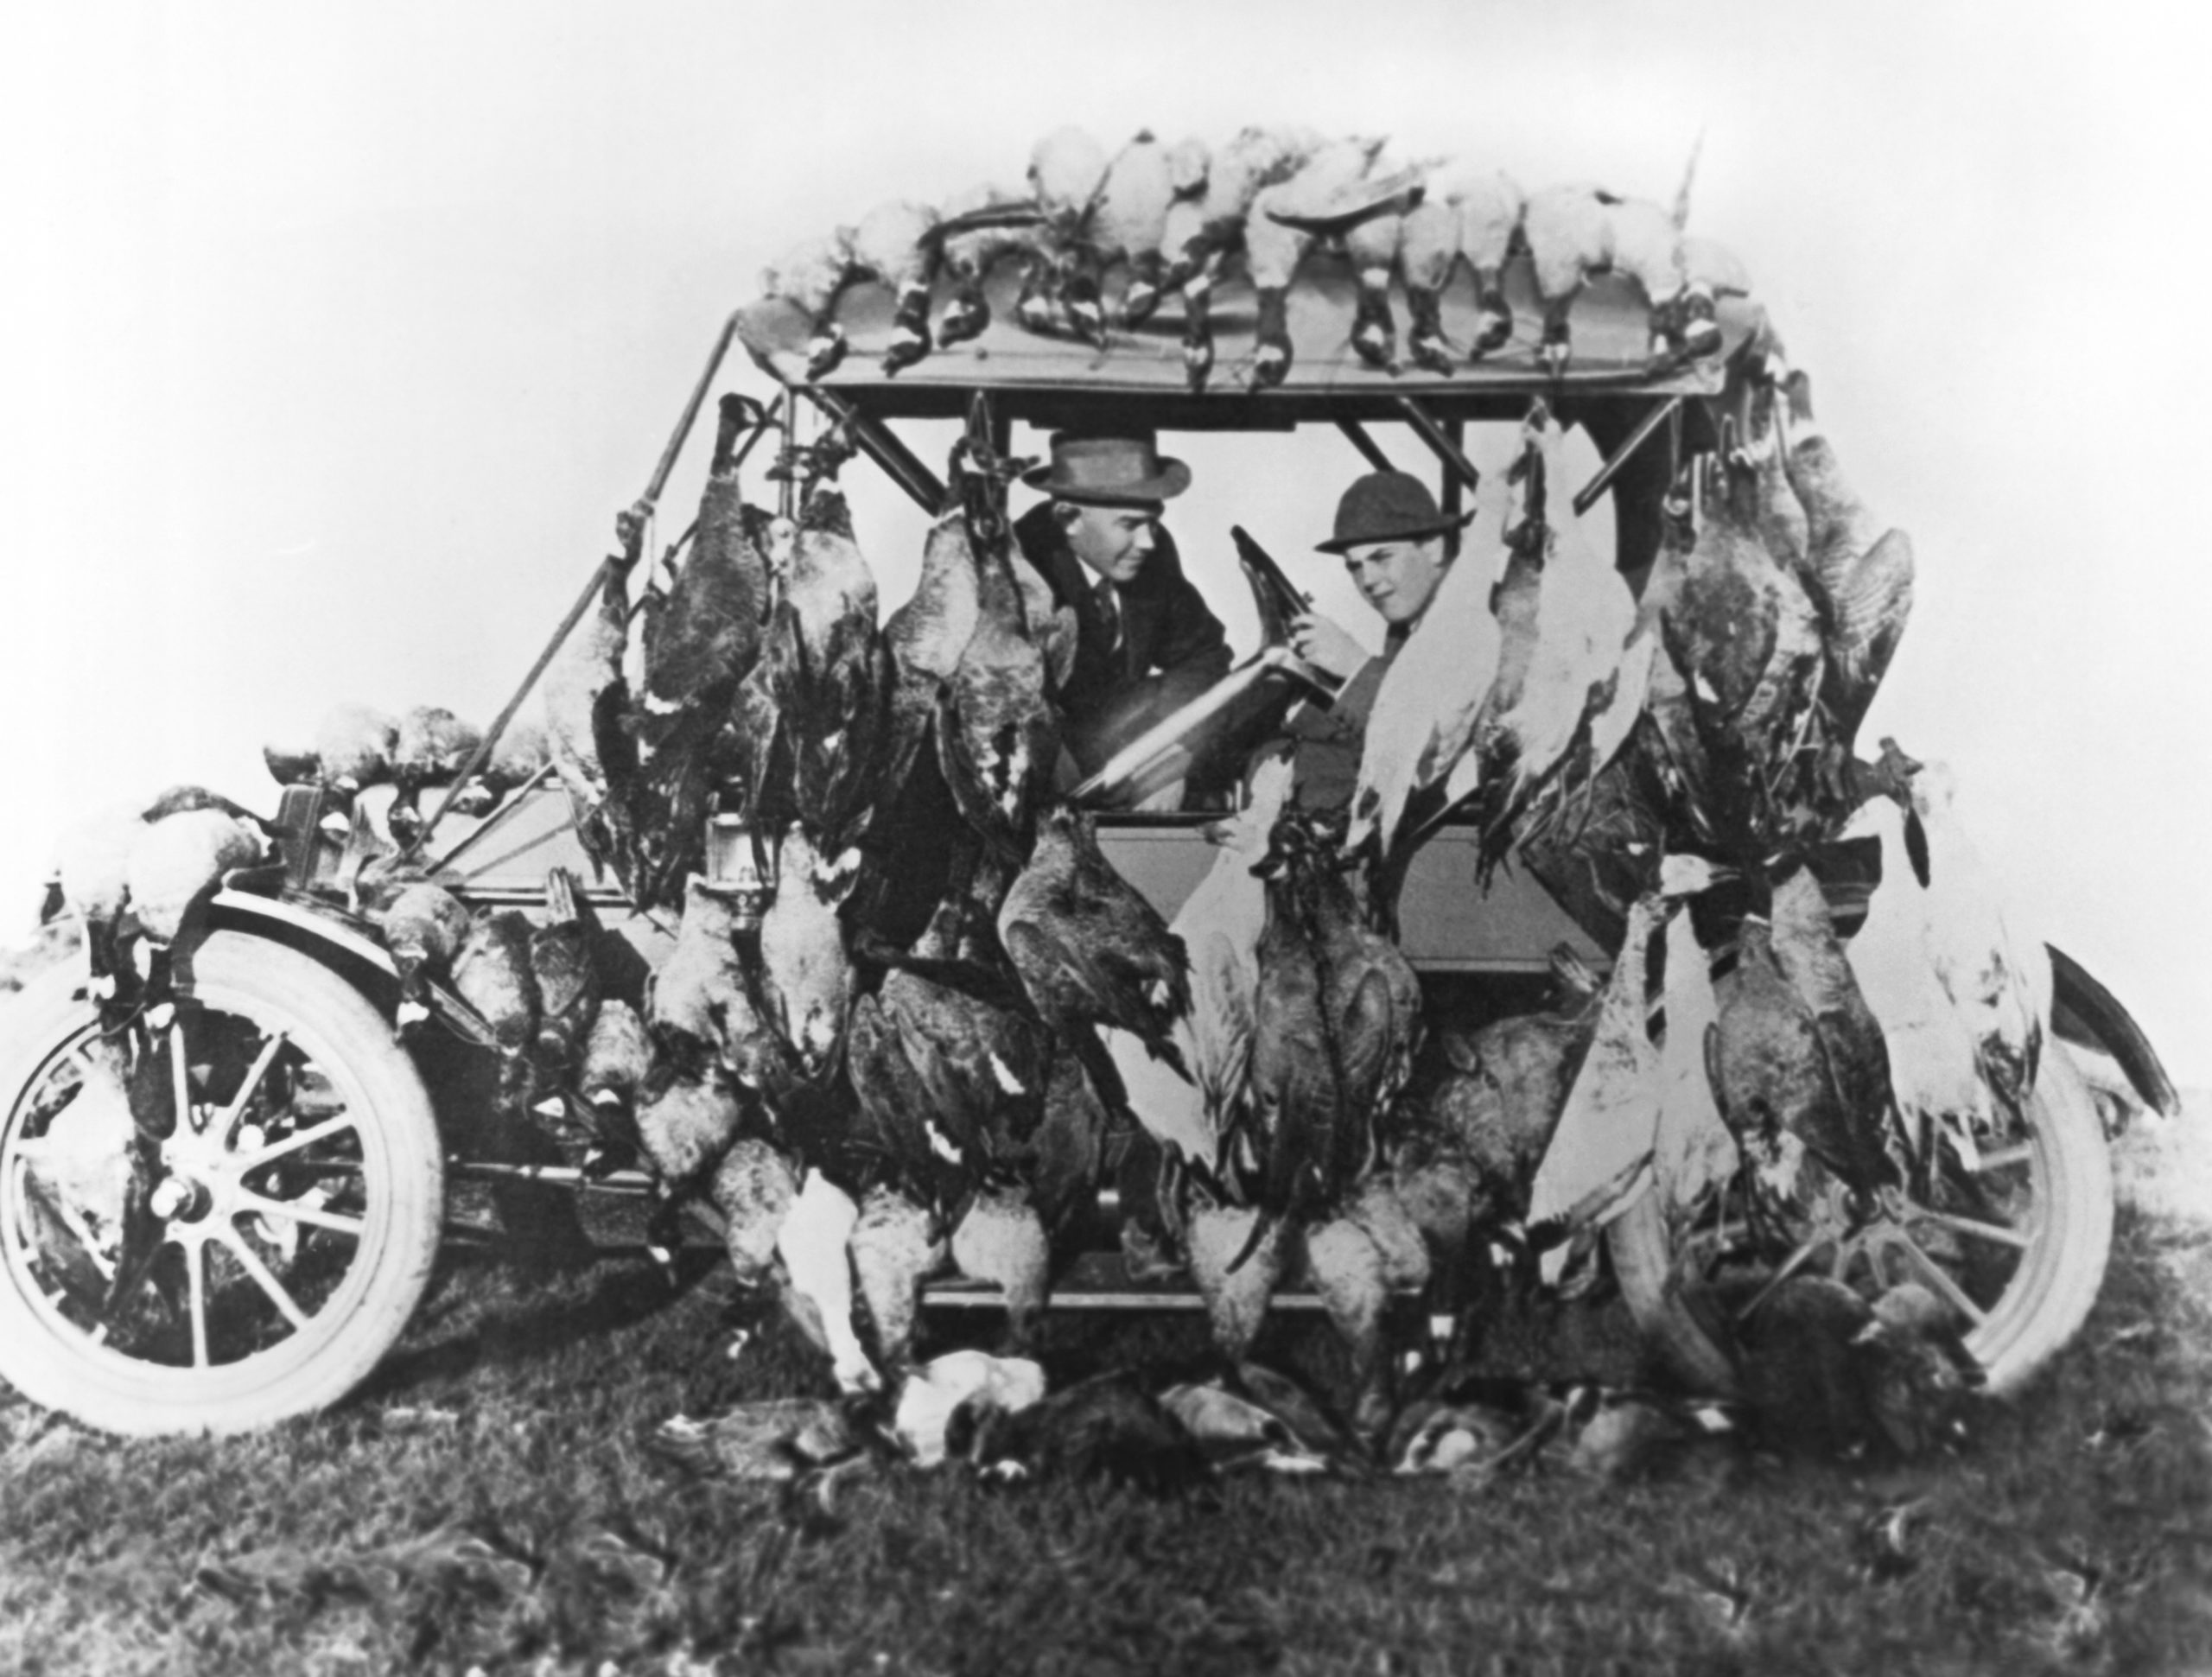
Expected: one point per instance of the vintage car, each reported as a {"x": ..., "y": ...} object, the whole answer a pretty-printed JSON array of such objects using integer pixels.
[{"x": 301, "y": 1206}]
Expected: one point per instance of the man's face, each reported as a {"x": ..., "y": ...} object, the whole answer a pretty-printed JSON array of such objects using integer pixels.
[
  {"x": 1114, "y": 541},
  {"x": 1398, "y": 578}
]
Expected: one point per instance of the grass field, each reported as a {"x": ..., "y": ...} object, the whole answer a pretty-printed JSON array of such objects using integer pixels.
[{"x": 2074, "y": 1534}]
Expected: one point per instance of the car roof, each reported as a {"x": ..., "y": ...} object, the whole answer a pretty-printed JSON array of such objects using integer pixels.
[{"x": 1055, "y": 380}]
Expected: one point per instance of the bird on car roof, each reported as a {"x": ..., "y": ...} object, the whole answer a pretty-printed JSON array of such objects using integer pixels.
[
  {"x": 1206, "y": 227},
  {"x": 353, "y": 744},
  {"x": 1375, "y": 244},
  {"x": 1001, "y": 221},
  {"x": 516, "y": 758},
  {"x": 896, "y": 243},
  {"x": 1569, "y": 232},
  {"x": 1275, "y": 245},
  {"x": 1067, "y": 171},
  {"x": 1129, "y": 222},
  {"x": 431, "y": 747},
  {"x": 813, "y": 274}
]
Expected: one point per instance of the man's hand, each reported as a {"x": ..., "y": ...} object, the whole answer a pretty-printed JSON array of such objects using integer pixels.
[{"x": 1326, "y": 646}]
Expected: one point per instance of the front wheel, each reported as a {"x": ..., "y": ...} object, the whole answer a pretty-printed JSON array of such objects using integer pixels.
[
  {"x": 219, "y": 1224},
  {"x": 2014, "y": 1239}
]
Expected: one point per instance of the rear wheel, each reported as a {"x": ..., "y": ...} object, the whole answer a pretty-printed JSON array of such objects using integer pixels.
[
  {"x": 2014, "y": 1239},
  {"x": 250, "y": 1244}
]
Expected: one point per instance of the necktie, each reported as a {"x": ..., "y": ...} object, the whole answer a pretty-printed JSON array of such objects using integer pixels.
[{"x": 1109, "y": 610}]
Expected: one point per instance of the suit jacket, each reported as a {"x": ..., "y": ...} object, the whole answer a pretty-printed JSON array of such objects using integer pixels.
[
  {"x": 1172, "y": 647},
  {"x": 1329, "y": 739}
]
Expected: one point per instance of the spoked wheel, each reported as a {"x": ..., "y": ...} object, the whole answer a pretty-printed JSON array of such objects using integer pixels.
[
  {"x": 214, "y": 1225},
  {"x": 2013, "y": 1238}
]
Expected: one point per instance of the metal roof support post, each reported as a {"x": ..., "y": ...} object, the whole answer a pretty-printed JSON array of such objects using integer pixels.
[
  {"x": 1663, "y": 413},
  {"x": 877, "y": 442},
  {"x": 1454, "y": 490},
  {"x": 1442, "y": 443},
  {"x": 1365, "y": 444}
]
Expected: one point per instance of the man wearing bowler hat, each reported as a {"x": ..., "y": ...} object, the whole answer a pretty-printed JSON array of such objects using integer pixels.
[
  {"x": 1397, "y": 545},
  {"x": 1147, "y": 643}
]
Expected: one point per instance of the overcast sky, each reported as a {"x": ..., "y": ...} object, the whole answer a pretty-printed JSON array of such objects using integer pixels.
[{"x": 333, "y": 337}]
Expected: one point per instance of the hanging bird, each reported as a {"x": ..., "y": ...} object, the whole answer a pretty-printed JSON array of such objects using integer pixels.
[
  {"x": 687, "y": 1124},
  {"x": 1569, "y": 230},
  {"x": 697, "y": 1003},
  {"x": 1089, "y": 947},
  {"x": 1425, "y": 709},
  {"x": 1347, "y": 1270},
  {"x": 491, "y": 973},
  {"x": 1001, "y": 1238},
  {"x": 994, "y": 222},
  {"x": 423, "y": 929},
  {"x": 1770, "y": 1068},
  {"x": 431, "y": 746},
  {"x": 807, "y": 974},
  {"x": 927, "y": 636},
  {"x": 896, "y": 243},
  {"x": 1206, "y": 228},
  {"x": 562, "y": 960},
  {"x": 353, "y": 744},
  {"x": 92, "y": 862},
  {"x": 1865, "y": 573},
  {"x": 1934, "y": 1069},
  {"x": 2000, "y": 985},
  {"x": 1275, "y": 247},
  {"x": 1572, "y": 635},
  {"x": 1806, "y": 950},
  {"x": 828, "y": 678},
  {"x": 617, "y": 1058},
  {"x": 996, "y": 734},
  {"x": 1693, "y": 1151},
  {"x": 1237, "y": 1256},
  {"x": 1067, "y": 171},
  {"x": 814, "y": 1243},
  {"x": 813, "y": 274},
  {"x": 753, "y": 1187},
  {"x": 1600, "y": 1157},
  {"x": 176, "y": 863},
  {"x": 587, "y": 710},
  {"x": 896, "y": 1245},
  {"x": 1129, "y": 224},
  {"x": 1219, "y": 924}
]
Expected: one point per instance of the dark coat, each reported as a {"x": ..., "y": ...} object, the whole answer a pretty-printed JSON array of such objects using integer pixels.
[
  {"x": 1329, "y": 739},
  {"x": 1172, "y": 647}
]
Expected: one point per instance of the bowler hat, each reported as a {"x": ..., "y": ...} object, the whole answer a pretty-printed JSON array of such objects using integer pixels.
[
  {"x": 1126, "y": 470},
  {"x": 1388, "y": 506}
]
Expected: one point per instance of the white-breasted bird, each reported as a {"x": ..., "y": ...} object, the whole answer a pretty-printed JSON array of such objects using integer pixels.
[
  {"x": 1569, "y": 230},
  {"x": 1129, "y": 224},
  {"x": 814, "y": 1243},
  {"x": 1933, "y": 1068},
  {"x": 1006, "y": 226},
  {"x": 177, "y": 863},
  {"x": 1691, "y": 1147},
  {"x": 1275, "y": 245},
  {"x": 896, "y": 243},
  {"x": 813, "y": 274},
  {"x": 807, "y": 973}
]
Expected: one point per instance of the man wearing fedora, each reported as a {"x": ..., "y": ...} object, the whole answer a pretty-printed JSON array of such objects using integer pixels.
[
  {"x": 1147, "y": 643},
  {"x": 1397, "y": 545}
]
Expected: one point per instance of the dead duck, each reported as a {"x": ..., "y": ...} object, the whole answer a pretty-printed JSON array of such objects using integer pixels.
[
  {"x": 926, "y": 637},
  {"x": 586, "y": 707},
  {"x": 1693, "y": 1151},
  {"x": 354, "y": 745},
  {"x": 1276, "y": 243},
  {"x": 770, "y": 1438},
  {"x": 1108, "y": 1428},
  {"x": 980, "y": 228},
  {"x": 806, "y": 973},
  {"x": 491, "y": 973},
  {"x": 1569, "y": 232},
  {"x": 517, "y": 757},
  {"x": 703, "y": 634},
  {"x": 1129, "y": 224},
  {"x": 563, "y": 960},
  {"x": 996, "y": 736},
  {"x": 1204, "y": 230},
  {"x": 1865, "y": 573},
  {"x": 1770, "y": 1068},
  {"x": 1825, "y": 1373},
  {"x": 1812, "y": 960},
  {"x": 1067, "y": 172},
  {"x": 698, "y": 1004},
  {"x": 431, "y": 747},
  {"x": 815, "y": 1246},
  {"x": 897, "y": 1243},
  {"x": 827, "y": 676},
  {"x": 1089, "y": 949},
  {"x": 897, "y": 244},
  {"x": 423, "y": 929},
  {"x": 812, "y": 275},
  {"x": 1489, "y": 208},
  {"x": 754, "y": 1186}
]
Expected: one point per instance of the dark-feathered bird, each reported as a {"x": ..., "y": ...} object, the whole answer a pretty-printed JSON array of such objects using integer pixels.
[
  {"x": 698, "y": 1003},
  {"x": 1089, "y": 947},
  {"x": 687, "y": 1123},
  {"x": 1826, "y": 1374},
  {"x": 927, "y": 636},
  {"x": 1770, "y": 1066},
  {"x": 828, "y": 677},
  {"x": 753, "y": 1187},
  {"x": 617, "y": 1058},
  {"x": 562, "y": 954},
  {"x": 896, "y": 1244},
  {"x": 491, "y": 973},
  {"x": 806, "y": 975},
  {"x": 517, "y": 759},
  {"x": 995, "y": 735},
  {"x": 1106, "y": 1427},
  {"x": 1806, "y": 950},
  {"x": 423, "y": 929},
  {"x": 776, "y": 1438}
]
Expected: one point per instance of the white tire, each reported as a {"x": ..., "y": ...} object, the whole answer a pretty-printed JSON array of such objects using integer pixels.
[{"x": 314, "y": 1183}]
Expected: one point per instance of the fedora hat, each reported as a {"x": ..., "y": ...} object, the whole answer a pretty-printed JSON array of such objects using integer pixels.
[
  {"x": 1388, "y": 506},
  {"x": 1126, "y": 470}
]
